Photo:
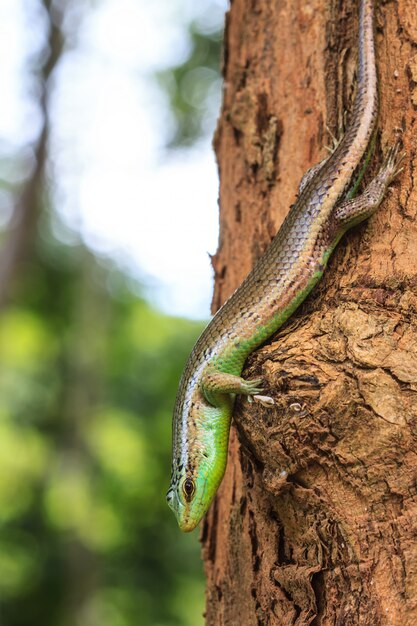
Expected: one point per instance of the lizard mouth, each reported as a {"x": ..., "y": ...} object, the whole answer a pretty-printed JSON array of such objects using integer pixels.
[{"x": 188, "y": 525}]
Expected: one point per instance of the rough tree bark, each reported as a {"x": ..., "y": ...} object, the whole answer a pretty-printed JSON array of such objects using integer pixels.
[{"x": 316, "y": 519}]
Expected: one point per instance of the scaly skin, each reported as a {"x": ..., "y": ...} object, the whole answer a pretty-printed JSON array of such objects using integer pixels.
[{"x": 277, "y": 285}]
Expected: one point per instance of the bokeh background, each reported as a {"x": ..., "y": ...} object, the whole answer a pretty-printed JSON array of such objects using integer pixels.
[{"x": 108, "y": 207}]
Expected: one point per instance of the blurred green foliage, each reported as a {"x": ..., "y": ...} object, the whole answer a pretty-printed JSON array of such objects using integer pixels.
[
  {"x": 194, "y": 86},
  {"x": 88, "y": 375}
]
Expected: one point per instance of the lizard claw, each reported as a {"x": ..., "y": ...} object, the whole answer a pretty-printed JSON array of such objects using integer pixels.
[
  {"x": 252, "y": 387},
  {"x": 335, "y": 140},
  {"x": 392, "y": 162}
]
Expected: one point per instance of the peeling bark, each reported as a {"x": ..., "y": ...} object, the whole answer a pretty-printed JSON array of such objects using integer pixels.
[{"x": 315, "y": 522}]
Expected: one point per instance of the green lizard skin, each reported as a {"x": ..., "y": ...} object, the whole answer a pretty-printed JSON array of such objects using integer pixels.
[{"x": 276, "y": 286}]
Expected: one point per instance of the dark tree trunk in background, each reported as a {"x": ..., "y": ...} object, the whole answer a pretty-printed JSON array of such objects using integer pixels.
[
  {"x": 316, "y": 520},
  {"x": 19, "y": 240}
]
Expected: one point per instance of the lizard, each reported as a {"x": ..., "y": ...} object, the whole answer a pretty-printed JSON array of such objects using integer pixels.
[{"x": 326, "y": 207}]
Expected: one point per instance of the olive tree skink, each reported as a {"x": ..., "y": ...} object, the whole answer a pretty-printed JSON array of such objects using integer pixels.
[{"x": 325, "y": 209}]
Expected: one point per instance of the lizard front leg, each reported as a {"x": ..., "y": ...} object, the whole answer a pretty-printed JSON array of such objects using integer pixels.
[{"x": 216, "y": 384}]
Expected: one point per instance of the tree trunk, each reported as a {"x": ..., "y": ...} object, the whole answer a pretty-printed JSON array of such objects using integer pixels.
[
  {"x": 315, "y": 522},
  {"x": 19, "y": 240}
]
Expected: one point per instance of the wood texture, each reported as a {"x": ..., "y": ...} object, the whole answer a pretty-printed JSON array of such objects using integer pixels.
[{"x": 316, "y": 519}]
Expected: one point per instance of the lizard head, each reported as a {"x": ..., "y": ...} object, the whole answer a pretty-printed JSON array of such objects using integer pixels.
[{"x": 199, "y": 462}]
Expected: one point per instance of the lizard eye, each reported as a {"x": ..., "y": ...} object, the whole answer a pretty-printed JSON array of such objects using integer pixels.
[{"x": 188, "y": 488}]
